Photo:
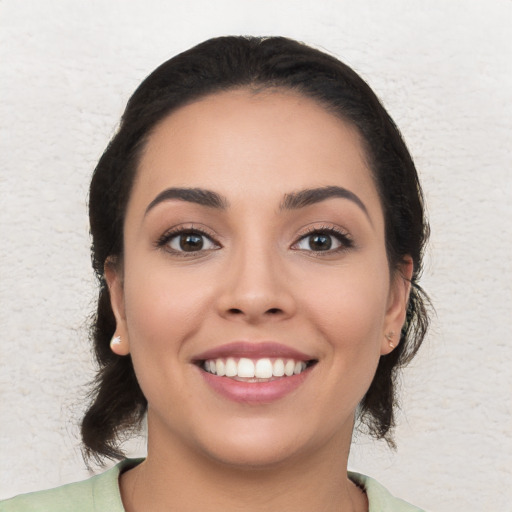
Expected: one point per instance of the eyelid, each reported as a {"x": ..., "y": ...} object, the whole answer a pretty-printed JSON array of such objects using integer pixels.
[
  {"x": 163, "y": 241},
  {"x": 340, "y": 234}
]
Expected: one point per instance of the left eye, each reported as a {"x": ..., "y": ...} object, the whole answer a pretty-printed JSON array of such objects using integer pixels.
[
  {"x": 191, "y": 241},
  {"x": 319, "y": 242}
]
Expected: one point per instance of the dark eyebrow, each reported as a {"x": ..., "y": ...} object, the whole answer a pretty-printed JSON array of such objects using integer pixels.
[
  {"x": 310, "y": 196},
  {"x": 199, "y": 196}
]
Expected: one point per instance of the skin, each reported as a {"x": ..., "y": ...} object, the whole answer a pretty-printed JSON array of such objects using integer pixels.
[{"x": 256, "y": 280}]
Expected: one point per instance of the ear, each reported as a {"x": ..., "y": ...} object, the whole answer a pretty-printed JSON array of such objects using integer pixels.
[
  {"x": 120, "y": 343},
  {"x": 398, "y": 300}
]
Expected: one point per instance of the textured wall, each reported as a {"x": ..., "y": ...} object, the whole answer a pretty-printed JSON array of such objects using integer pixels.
[{"x": 444, "y": 70}]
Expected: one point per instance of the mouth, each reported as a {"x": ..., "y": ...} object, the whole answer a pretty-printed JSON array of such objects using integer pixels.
[
  {"x": 255, "y": 373},
  {"x": 265, "y": 369}
]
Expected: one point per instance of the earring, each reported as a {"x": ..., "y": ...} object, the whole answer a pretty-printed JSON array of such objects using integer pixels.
[
  {"x": 116, "y": 340},
  {"x": 389, "y": 337},
  {"x": 120, "y": 347},
  {"x": 115, "y": 344}
]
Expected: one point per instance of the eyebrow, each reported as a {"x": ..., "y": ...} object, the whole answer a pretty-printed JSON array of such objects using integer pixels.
[
  {"x": 291, "y": 201},
  {"x": 307, "y": 197},
  {"x": 199, "y": 196}
]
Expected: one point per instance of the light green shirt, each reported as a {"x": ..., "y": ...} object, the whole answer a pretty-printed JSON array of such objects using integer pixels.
[{"x": 101, "y": 494}]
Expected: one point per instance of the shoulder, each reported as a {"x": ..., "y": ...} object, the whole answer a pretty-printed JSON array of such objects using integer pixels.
[
  {"x": 379, "y": 498},
  {"x": 98, "y": 493}
]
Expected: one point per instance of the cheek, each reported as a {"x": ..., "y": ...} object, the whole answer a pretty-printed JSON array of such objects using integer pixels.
[
  {"x": 163, "y": 311},
  {"x": 350, "y": 307},
  {"x": 162, "y": 308},
  {"x": 346, "y": 310}
]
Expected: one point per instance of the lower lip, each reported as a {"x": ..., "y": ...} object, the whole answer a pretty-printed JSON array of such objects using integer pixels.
[{"x": 254, "y": 392}]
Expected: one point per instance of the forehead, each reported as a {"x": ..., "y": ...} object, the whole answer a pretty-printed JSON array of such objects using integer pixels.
[{"x": 263, "y": 143}]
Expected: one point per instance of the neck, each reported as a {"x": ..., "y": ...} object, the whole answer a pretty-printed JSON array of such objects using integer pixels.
[{"x": 181, "y": 479}]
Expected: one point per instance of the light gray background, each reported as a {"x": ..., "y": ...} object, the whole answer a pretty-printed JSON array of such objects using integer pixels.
[{"x": 443, "y": 68}]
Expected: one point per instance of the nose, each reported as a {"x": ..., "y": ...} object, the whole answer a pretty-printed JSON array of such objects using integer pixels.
[{"x": 255, "y": 288}]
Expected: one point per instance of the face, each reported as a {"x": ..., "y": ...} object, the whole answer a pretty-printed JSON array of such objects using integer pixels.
[{"x": 255, "y": 292}]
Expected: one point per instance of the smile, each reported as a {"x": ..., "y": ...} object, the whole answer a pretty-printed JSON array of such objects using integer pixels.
[{"x": 254, "y": 370}]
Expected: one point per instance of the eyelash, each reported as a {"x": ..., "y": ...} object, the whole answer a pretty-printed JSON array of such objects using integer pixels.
[
  {"x": 164, "y": 241},
  {"x": 342, "y": 238}
]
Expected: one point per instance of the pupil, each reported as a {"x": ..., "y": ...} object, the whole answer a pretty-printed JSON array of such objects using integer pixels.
[
  {"x": 190, "y": 242},
  {"x": 320, "y": 242}
]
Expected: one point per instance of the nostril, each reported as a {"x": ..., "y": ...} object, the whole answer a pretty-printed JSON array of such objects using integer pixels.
[{"x": 249, "y": 313}]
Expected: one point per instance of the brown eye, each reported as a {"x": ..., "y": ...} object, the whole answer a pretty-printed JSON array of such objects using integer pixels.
[
  {"x": 190, "y": 241},
  {"x": 324, "y": 240},
  {"x": 319, "y": 242}
]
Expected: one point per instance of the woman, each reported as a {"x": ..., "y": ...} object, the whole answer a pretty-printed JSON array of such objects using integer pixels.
[{"x": 258, "y": 232}]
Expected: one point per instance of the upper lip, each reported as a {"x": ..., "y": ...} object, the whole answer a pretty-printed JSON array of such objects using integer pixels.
[{"x": 253, "y": 350}]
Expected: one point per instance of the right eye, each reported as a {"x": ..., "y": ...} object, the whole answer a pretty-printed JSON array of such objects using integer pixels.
[{"x": 187, "y": 241}]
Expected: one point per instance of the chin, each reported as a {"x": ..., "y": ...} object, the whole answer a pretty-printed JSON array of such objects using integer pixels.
[
  {"x": 263, "y": 444},
  {"x": 253, "y": 457}
]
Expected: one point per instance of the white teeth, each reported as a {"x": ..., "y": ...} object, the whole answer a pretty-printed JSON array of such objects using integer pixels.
[
  {"x": 245, "y": 368},
  {"x": 289, "y": 367},
  {"x": 263, "y": 368},
  {"x": 278, "y": 368},
  {"x": 221, "y": 367},
  {"x": 231, "y": 368}
]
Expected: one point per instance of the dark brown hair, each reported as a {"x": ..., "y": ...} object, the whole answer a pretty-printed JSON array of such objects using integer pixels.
[{"x": 117, "y": 402}]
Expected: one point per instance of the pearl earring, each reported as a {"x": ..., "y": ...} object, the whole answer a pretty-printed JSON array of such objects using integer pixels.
[
  {"x": 389, "y": 337},
  {"x": 115, "y": 341}
]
